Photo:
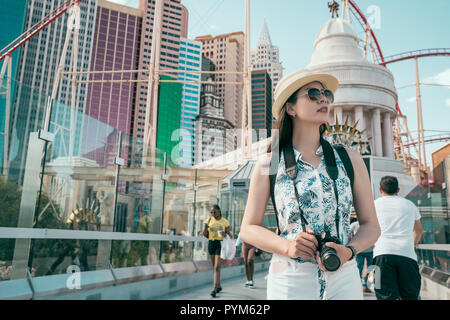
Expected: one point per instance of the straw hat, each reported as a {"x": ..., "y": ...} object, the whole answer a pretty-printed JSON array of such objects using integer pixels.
[{"x": 294, "y": 81}]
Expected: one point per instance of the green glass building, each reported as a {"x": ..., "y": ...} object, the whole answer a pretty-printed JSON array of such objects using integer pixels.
[{"x": 169, "y": 115}]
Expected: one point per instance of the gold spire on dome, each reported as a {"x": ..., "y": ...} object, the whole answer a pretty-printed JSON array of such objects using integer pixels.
[{"x": 347, "y": 136}]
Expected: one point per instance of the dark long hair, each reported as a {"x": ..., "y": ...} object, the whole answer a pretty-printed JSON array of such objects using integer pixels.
[{"x": 285, "y": 125}]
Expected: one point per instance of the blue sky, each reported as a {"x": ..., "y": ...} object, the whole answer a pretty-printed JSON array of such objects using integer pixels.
[{"x": 404, "y": 25}]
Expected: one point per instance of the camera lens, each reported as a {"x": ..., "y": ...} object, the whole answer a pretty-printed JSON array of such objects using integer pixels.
[{"x": 330, "y": 258}]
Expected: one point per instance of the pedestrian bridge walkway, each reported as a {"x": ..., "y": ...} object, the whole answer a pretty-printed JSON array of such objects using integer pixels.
[
  {"x": 183, "y": 286},
  {"x": 233, "y": 289},
  {"x": 191, "y": 278}
]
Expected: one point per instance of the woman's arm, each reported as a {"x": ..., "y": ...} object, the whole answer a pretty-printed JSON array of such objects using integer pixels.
[
  {"x": 254, "y": 233},
  {"x": 417, "y": 232},
  {"x": 369, "y": 229},
  {"x": 205, "y": 230},
  {"x": 228, "y": 231}
]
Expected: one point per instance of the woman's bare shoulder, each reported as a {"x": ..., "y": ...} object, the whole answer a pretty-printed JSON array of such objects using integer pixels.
[
  {"x": 355, "y": 157},
  {"x": 359, "y": 166}
]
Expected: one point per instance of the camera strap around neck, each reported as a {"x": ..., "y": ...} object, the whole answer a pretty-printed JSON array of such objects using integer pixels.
[{"x": 332, "y": 170}]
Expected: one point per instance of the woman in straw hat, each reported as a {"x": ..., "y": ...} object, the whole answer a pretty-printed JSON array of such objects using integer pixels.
[{"x": 317, "y": 206}]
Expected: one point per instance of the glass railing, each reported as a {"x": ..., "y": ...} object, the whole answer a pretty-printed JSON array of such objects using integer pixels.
[
  {"x": 95, "y": 179},
  {"x": 434, "y": 256},
  {"x": 431, "y": 196}
]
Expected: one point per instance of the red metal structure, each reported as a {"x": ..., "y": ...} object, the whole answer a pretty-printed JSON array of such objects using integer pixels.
[
  {"x": 401, "y": 149},
  {"x": 357, "y": 13},
  {"x": 441, "y": 138},
  {"x": 30, "y": 33},
  {"x": 416, "y": 54},
  {"x": 379, "y": 58}
]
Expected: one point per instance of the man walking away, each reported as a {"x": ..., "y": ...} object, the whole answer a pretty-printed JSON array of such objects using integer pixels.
[{"x": 394, "y": 253}]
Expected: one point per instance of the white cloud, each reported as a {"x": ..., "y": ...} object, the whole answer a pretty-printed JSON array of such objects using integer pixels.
[
  {"x": 213, "y": 27},
  {"x": 442, "y": 78},
  {"x": 412, "y": 99}
]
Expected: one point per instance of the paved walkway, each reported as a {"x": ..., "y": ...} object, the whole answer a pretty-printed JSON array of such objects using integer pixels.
[{"x": 233, "y": 289}]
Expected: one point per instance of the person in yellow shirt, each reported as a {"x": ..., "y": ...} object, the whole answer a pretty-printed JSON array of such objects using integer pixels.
[{"x": 215, "y": 228}]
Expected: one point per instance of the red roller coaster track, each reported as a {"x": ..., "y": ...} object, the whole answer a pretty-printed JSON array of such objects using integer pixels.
[
  {"x": 30, "y": 33},
  {"x": 366, "y": 26},
  {"x": 379, "y": 58},
  {"x": 439, "y": 139},
  {"x": 416, "y": 54}
]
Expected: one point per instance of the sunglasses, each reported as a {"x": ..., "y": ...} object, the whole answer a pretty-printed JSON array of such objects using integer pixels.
[{"x": 315, "y": 94}]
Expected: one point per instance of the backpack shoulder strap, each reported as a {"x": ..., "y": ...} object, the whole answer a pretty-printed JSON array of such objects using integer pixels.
[
  {"x": 330, "y": 159},
  {"x": 347, "y": 163},
  {"x": 272, "y": 177}
]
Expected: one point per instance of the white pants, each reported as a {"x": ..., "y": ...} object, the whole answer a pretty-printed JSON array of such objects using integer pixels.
[{"x": 288, "y": 279}]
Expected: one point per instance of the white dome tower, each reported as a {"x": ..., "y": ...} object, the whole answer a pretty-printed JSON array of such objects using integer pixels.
[
  {"x": 366, "y": 96},
  {"x": 366, "y": 91}
]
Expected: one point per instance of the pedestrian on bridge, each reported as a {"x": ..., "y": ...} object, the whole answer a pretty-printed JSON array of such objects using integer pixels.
[
  {"x": 394, "y": 254},
  {"x": 313, "y": 186},
  {"x": 248, "y": 252},
  {"x": 214, "y": 229}
]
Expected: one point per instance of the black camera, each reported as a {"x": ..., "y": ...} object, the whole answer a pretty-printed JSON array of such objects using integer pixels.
[{"x": 328, "y": 255}]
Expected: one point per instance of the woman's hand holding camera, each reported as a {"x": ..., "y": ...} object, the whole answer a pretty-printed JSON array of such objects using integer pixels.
[
  {"x": 343, "y": 252},
  {"x": 304, "y": 246}
]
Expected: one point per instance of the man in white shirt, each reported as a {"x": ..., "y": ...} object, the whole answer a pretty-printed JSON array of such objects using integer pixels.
[{"x": 394, "y": 252}]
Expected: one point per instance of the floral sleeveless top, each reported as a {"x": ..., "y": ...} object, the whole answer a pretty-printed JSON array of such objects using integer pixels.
[{"x": 317, "y": 200}]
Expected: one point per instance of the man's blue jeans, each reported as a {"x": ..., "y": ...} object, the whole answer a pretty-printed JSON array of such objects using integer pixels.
[{"x": 360, "y": 262}]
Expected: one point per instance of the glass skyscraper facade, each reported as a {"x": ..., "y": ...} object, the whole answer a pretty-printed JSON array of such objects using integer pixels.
[
  {"x": 261, "y": 103},
  {"x": 39, "y": 59},
  {"x": 115, "y": 47},
  {"x": 169, "y": 120},
  {"x": 174, "y": 26},
  {"x": 190, "y": 60}
]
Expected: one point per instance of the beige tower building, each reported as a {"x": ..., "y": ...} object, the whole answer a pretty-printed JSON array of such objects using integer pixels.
[
  {"x": 226, "y": 51},
  {"x": 174, "y": 27},
  {"x": 267, "y": 57}
]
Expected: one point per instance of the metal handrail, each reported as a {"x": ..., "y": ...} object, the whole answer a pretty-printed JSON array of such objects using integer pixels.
[
  {"x": 36, "y": 233},
  {"x": 434, "y": 246}
]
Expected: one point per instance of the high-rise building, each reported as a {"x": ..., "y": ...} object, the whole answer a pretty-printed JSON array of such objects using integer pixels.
[
  {"x": 109, "y": 105},
  {"x": 226, "y": 51},
  {"x": 207, "y": 65},
  {"x": 267, "y": 57},
  {"x": 169, "y": 117},
  {"x": 37, "y": 69},
  {"x": 261, "y": 103},
  {"x": 214, "y": 135},
  {"x": 174, "y": 27},
  {"x": 190, "y": 60},
  {"x": 12, "y": 18}
]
